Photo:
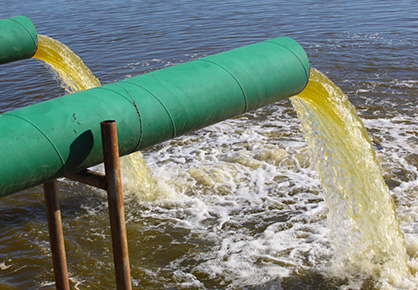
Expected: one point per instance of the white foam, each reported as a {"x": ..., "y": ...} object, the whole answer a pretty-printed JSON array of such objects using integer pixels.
[
  {"x": 257, "y": 201},
  {"x": 245, "y": 189}
]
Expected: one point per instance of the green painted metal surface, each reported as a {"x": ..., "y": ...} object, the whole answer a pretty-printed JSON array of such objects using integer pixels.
[
  {"x": 62, "y": 135},
  {"x": 18, "y": 39}
]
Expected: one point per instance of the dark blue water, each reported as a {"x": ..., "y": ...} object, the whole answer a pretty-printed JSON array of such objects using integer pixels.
[
  {"x": 358, "y": 39},
  {"x": 368, "y": 48}
]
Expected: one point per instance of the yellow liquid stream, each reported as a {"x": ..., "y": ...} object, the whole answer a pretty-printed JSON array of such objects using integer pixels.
[
  {"x": 71, "y": 70},
  {"x": 75, "y": 76},
  {"x": 362, "y": 215}
]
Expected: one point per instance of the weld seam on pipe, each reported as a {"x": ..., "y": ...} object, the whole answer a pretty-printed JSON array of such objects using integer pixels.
[
  {"x": 107, "y": 89},
  {"x": 185, "y": 97},
  {"x": 35, "y": 41},
  {"x": 232, "y": 75},
  {"x": 134, "y": 104},
  {"x": 162, "y": 104},
  {"x": 141, "y": 128},
  {"x": 301, "y": 62},
  {"x": 46, "y": 137}
]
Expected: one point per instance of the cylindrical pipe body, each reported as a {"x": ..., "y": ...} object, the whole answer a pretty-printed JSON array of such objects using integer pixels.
[
  {"x": 18, "y": 39},
  {"x": 62, "y": 135}
]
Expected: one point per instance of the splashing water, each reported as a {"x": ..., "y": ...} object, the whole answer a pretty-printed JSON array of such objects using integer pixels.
[
  {"x": 74, "y": 76},
  {"x": 362, "y": 217}
]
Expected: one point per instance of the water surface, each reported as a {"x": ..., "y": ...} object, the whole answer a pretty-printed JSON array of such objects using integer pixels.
[{"x": 241, "y": 206}]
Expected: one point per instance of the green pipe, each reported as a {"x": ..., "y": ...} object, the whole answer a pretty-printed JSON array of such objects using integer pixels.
[
  {"x": 61, "y": 136},
  {"x": 18, "y": 39}
]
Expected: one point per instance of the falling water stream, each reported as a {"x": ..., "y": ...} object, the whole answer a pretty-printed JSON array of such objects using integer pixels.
[
  {"x": 361, "y": 216},
  {"x": 65, "y": 65}
]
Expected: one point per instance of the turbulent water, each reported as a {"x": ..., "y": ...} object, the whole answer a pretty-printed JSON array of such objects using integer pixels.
[
  {"x": 365, "y": 234},
  {"x": 240, "y": 204}
]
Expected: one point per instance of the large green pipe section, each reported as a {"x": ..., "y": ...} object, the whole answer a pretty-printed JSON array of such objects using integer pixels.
[
  {"x": 18, "y": 39},
  {"x": 61, "y": 136}
]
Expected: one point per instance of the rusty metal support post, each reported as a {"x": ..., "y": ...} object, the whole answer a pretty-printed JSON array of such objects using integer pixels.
[
  {"x": 116, "y": 209},
  {"x": 89, "y": 177},
  {"x": 55, "y": 235}
]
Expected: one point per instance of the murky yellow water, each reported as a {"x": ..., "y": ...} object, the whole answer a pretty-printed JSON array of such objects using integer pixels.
[
  {"x": 362, "y": 214},
  {"x": 223, "y": 217},
  {"x": 74, "y": 74}
]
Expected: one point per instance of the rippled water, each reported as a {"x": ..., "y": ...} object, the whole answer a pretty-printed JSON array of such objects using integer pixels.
[{"x": 241, "y": 206}]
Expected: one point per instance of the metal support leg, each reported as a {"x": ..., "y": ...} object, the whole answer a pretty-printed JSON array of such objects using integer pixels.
[
  {"x": 55, "y": 235},
  {"x": 116, "y": 209}
]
